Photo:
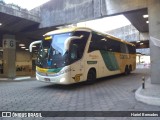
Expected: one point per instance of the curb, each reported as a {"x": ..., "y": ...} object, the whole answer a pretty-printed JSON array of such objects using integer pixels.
[
  {"x": 146, "y": 99},
  {"x": 18, "y": 79},
  {"x": 22, "y": 78}
]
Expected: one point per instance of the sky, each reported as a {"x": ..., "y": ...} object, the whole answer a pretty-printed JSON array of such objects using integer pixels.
[
  {"x": 28, "y": 4},
  {"x": 107, "y": 23}
]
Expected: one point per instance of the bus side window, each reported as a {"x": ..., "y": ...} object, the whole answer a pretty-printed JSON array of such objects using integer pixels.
[
  {"x": 74, "y": 52},
  {"x": 132, "y": 49},
  {"x": 98, "y": 42},
  {"x": 124, "y": 48},
  {"x": 81, "y": 43}
]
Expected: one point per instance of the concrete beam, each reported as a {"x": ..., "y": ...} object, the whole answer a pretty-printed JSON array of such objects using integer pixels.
[
  {"x": 121, "y": 6},
  {"x": 18, "y": 13},
  {"x": 144, "y": 36},
  {"x": 60, "y": 12}
]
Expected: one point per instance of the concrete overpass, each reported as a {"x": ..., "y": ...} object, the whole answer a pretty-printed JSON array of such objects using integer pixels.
[
  {"x": 71, "y": 12},
  {"x": 16, "y": 21},
  {"x": 29, "y": 26},
  {"x": 62, "y": 12},
  {"x": 56, "y": 13},
  {"x": 13, "y": 23}
]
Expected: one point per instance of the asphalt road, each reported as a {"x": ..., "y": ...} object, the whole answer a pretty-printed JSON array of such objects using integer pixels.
[{"x": 114, "y": 93}]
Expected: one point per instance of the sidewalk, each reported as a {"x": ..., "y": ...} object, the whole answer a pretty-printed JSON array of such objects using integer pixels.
[
  {"x": 141, "y": 66},
  {"x": 149, "y": 95},
  {"x": 17, "y": 78}
]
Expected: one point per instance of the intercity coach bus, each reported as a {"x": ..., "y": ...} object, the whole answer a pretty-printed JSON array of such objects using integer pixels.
[{"x": 77, "y": 54}]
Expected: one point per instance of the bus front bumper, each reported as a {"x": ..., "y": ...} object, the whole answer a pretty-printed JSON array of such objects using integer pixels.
[{"x": 60, "y": 79}]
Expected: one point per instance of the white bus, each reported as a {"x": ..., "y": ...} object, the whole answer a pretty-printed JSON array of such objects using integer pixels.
[{"x": 79, "y": 54}]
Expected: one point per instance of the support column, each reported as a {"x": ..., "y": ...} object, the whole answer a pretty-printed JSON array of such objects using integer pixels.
[
  {"x": 154, "y": 31},
  {"x": 139, "y": 59},
  {"x": 9, "y": 56}
]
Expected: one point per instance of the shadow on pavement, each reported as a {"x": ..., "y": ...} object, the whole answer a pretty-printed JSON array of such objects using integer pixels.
[{"x": 83, "y": 85}]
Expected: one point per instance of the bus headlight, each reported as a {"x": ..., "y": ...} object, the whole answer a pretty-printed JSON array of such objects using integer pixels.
[
  {"x": 63, "y": 72},
  {"x": 62, "y": 80},
  {"x": 59, "y": 73}
]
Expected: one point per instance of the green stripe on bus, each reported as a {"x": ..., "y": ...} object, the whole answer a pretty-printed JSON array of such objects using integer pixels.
[
  {"x": 54, "y": 70},
  {"x": 110, "y": 60}
]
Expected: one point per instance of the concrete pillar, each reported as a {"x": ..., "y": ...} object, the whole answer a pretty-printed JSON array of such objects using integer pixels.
[
  {"x": 154, "y": 31},
  {"x": 9, "y": 56},
  {"x": 144, "y": 36},
  {"x": 139, "y": 59}
]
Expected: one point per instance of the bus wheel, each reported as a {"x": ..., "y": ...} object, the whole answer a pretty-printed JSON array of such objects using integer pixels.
[
  {"x": 91, "y": 77},
  {"x": 127, "y": 71}
]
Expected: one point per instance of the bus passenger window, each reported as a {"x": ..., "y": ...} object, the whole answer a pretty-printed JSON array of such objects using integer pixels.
[{"x": 74, "y": 51}]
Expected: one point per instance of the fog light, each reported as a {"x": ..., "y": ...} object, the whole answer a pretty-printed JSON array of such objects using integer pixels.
[{"x": 62, "y": 80}]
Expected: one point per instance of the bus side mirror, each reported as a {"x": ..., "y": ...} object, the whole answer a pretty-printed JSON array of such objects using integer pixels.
[
  {"x": 34, "y": 43},
  {"x": 68, "y": 41}
]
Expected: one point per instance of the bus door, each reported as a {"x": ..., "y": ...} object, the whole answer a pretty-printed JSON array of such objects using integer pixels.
[
  {"x": 77, "y": 53},
  {"x": 77, "y": 67}
]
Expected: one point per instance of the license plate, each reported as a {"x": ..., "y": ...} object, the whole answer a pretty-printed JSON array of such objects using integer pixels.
[{"x": 47, "y": 79}]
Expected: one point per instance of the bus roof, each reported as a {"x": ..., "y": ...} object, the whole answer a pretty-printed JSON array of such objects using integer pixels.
[
  {"x": 62, "y": 30},
  {"x": 71, "y": 29}
]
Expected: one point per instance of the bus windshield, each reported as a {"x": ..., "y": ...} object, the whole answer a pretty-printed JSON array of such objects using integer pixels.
[{"x": 52, "y": 52}]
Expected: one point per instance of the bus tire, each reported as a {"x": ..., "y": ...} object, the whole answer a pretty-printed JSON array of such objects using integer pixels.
[
  {"x": 127, "y": 70},
  {"x": 91, "y": 77}
]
